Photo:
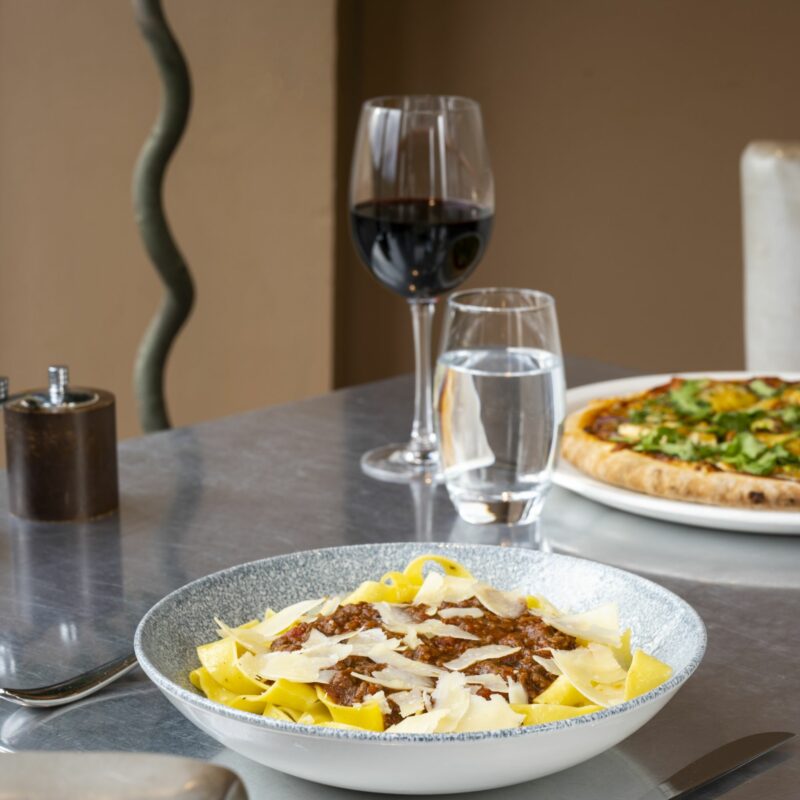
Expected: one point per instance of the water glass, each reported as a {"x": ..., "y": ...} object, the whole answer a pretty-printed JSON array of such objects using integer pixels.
[{"x": 500, "y": 403}]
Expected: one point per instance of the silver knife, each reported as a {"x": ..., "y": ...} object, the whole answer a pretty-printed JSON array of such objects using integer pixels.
[{"x": 716, "y": 764}]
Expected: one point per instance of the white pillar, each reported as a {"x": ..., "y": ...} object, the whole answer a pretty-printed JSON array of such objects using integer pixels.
[{"x": 771, "y": 218}]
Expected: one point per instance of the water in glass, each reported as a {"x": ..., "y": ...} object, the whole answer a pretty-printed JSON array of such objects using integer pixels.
[{"x": 500, "y": 412}]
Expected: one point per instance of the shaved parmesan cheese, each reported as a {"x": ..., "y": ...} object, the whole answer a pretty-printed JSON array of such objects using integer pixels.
[
  {"x": 384, "y": 656},
  {"x": 431, "y": 591},
  {"x": 598, "y": 625},
  {"x": 315, "y": 637},
  {"x": 319, "y": 653},
  {"x": 597, "y": 661},
  {"x": 410, "y": 702},
  {"x": 317, "y": 640},
  {"x": 548, "y": 664},
  {"x": 247, "y": 663},
  {"x": 298, "y": 666},
  {"x": 379, "y": 698},
  {"x": 330, "y": 605},
  {"x": 452, "y": 696},
  {"x": 469, "y": 611},
  {"x": 398, "y": 621},
  {"x": 393, "y": 617},
  {"x": 487, "y": 715},
  {"x": 437, "y": 589},
  {"x": 516, "y": 692},
  {"x": 372, "y": 635},
  {"x": 540, "y": 606},
  {"x": 489, "y": 680},
  {"x": 373, "y": 639},
  {"x": 594, "y": 672},
  {"x": 604, "y": 694},
  {"x": 421, "y": 723},
  {"x": 278, "y": 623},
  {"x": 246, "y": 637},
  {"x": 434, "y": 627},
  {"x": 476, "y": 654},
  {"x": 504, "y": 604},
  {"x": 623, "y": 652},
  {"x": 393, "y": 678}
]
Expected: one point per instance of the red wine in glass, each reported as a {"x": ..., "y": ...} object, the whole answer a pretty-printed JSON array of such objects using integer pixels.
[
  {"x": 421, "y": 211},
  {"x": 421, "y": 248}
]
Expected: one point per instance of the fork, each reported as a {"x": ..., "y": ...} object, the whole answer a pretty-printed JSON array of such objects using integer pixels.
[{"x": 72, "y": 689}]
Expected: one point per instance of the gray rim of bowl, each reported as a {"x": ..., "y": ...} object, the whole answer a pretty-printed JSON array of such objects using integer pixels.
[{"x": 297, "y": 729}]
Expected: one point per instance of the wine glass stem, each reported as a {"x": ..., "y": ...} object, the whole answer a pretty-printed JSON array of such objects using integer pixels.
[{"x": 422, "y": 448}]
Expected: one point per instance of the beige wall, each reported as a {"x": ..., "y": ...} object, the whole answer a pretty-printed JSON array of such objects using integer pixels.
[
  {"x": 249, "y": 196},
  {"x": 615, "y": 128}
]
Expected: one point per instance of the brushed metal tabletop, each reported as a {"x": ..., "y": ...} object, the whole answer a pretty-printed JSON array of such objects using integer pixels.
[{"x": 199, "y": 499}]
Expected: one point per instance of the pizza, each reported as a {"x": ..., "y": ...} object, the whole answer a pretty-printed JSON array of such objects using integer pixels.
[{"x": 724, "y": 442}]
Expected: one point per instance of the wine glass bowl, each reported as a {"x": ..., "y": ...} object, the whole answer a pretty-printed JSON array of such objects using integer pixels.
[{"x": 421, "y": 211}]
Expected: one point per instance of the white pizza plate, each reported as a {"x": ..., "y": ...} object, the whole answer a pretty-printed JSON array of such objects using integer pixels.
[{"x": 700, "y": 514}]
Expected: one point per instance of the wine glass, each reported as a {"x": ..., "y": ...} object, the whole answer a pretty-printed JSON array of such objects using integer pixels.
[{"x": 421, "y": 211}]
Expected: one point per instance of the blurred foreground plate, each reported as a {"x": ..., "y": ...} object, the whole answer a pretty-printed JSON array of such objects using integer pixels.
[
  {"x": 114, "y": 776},
  {"x": 686, "y": 513}
]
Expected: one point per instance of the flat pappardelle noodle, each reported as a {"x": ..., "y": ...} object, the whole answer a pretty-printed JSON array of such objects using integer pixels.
[{"x": 418, "y": 652}]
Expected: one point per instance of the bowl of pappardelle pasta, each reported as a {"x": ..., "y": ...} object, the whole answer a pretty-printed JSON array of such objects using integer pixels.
[{"x": 420, "y": 668}]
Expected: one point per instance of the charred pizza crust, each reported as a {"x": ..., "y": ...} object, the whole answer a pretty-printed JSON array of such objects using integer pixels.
[{"x": 697, "y": 482}]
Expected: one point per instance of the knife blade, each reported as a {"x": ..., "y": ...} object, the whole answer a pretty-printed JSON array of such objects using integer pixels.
[{"x": 716, "y": 764}]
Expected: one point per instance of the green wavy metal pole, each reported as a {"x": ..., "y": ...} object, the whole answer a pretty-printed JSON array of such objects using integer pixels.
[{"x": 148, "y": 204}]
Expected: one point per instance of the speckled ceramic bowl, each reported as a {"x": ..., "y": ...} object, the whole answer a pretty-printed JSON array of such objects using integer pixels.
[{"x": 165, "y": 642}]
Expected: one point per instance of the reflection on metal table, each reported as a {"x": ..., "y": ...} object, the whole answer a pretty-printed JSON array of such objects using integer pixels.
[{"x": 199, "y": 499}]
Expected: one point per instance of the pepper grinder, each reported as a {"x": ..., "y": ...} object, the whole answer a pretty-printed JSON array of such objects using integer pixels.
[{"x": 61, "y": 451}]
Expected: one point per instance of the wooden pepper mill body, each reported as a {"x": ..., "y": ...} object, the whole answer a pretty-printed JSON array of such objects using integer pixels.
[{"x": 61, "y": 453}]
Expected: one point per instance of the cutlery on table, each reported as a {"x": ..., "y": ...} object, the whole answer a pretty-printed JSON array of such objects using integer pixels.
[
  {"x": 716, "y": 764},
  {"x": 72, "y": 689}
]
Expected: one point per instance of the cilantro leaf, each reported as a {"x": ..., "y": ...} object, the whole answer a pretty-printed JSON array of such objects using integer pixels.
[
  {"x": 744, "y": 444},
  {"x": 762, "y": 465},
  {"x": 735, "y": 420},
  {"x": 652, "y": 441},
  {"x": 790, "y": 415},
  {"x": 751, "y": 447},
  {"x": 686, "y": 401},
  {"x": 671, "y": 443},
  {"x": 762, "y": 389},
  {"x": 747, "y": 454},
  {"x": 685, "y": 450}
]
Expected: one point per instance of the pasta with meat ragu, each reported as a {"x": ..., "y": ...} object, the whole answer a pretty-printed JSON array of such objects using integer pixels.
[{"x": 426, "y": 652}]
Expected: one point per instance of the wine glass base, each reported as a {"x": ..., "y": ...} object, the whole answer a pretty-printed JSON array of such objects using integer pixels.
[{"x": 397, "y": 464}]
